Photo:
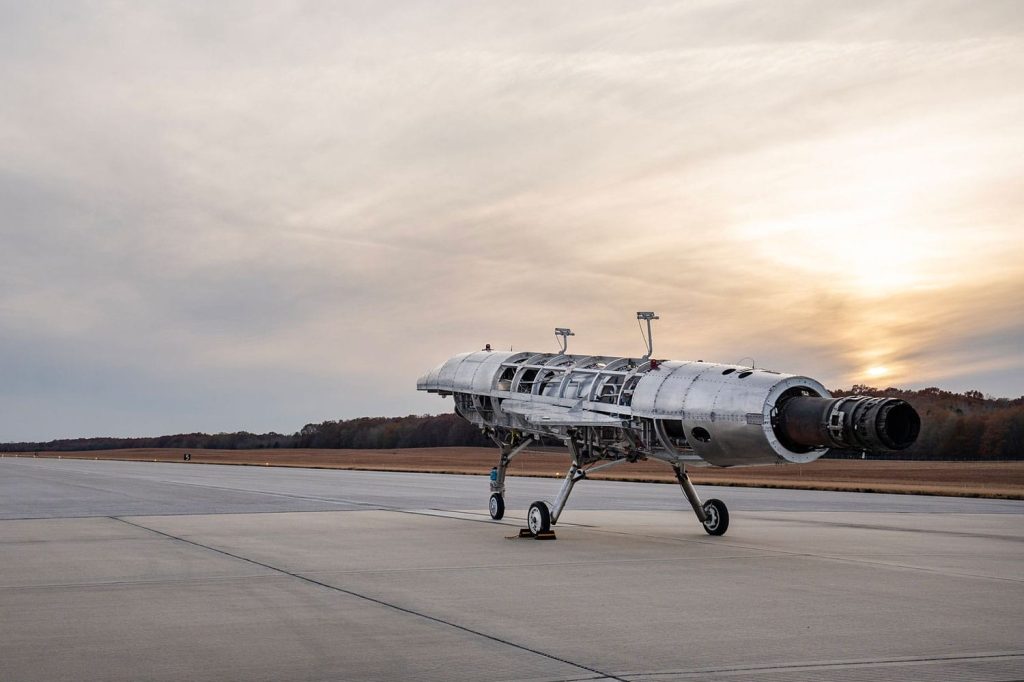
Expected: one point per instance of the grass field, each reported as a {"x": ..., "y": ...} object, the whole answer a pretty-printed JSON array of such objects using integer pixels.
[{"x": 970, "y": 479}]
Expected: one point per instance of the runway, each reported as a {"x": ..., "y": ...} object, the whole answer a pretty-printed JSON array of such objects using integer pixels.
[{"x": 127, "y": 571}]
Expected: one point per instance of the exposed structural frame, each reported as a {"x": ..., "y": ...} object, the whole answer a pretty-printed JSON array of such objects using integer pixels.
[
  {"x": 608, "y": 410},
  {"x": 586, "y": 459}
]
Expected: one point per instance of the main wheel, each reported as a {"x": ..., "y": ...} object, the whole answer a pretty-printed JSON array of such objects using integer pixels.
[
  {"x": 496, "y": 506},
  {"x": 717, "y": 521},
  {"x": 538, "y": 518}
]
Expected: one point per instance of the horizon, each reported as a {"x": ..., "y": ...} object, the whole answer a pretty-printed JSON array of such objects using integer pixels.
[
  {"x": 242, "y": 217},
  {"x": 290, "y": 433}
]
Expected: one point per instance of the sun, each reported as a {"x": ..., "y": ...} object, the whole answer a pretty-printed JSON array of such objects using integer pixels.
[{"x": 877, "y": 371}]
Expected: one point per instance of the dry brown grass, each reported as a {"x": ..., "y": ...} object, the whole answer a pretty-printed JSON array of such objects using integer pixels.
[{"x": 971, "y": 479}]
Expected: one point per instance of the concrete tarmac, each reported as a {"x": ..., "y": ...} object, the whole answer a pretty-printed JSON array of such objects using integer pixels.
[{"x": 128, "y": 571}]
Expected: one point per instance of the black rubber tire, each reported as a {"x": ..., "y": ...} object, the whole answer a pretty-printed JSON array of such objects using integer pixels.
[
  {"x": 718, "y": 517},
  {"x": 496, "y": 506},
  {"x": 538, "y": 519}
]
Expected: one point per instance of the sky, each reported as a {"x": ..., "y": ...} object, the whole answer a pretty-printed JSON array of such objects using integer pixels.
[{"x": 256, "y": 215}]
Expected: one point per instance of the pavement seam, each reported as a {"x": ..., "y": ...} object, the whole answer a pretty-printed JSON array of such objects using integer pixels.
[
  {"x": 374, "y": 600},
  {"x": 132, "y": 583},
  {"x": 539, "y": 564},
  {"x": 793, "y": 667}
]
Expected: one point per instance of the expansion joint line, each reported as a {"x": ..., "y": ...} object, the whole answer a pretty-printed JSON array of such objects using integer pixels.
[{"x": 373, "y": 600}]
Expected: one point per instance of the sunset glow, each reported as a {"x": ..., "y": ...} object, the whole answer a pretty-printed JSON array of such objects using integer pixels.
[{"x": 202, "y": 203}]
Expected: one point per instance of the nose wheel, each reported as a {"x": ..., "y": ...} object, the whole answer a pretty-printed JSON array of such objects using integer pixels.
[{"x": 497, "y": 506}]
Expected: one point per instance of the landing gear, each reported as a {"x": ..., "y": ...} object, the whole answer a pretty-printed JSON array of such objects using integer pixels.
[
  {"x": 542, "y": 515},
  {"x": 717, "y": 521},
  {"x": 497, "y": 506},
  {"x": 538, "y": 519},
  {"x": 713, "y": 514}
]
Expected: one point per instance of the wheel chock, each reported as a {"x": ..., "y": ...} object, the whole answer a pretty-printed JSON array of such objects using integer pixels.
[{"x": 546, "y": 535}]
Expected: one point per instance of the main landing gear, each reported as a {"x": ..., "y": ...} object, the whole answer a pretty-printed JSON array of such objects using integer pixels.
[
  {"x": 713, "y": 514},
  {"x": 542, "y": 516}
]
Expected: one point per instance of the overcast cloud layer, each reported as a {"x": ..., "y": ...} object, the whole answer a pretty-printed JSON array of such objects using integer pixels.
[{"x": 222, "y": 216}]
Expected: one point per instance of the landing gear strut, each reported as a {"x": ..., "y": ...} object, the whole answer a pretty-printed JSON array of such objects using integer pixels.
[
  {"x": 542, "y": 516},
  {"x": 713, "y": 514},
  {"x": 496, "y": 506}
]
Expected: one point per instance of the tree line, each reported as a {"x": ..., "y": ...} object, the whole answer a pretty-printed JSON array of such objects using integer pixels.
[
  {"x": 414, "y": 431},
  {"x": 957, "y": 426}
]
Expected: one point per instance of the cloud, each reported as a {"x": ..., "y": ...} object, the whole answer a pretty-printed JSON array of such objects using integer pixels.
[{"x": 226, "y": 216}]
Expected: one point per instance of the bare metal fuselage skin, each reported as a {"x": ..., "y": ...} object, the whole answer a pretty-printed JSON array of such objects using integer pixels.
[
  {"x": 682, "y": 412},
  {"x": 619, "y": 410}
]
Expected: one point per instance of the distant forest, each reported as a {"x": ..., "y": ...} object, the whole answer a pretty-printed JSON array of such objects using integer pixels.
[{"x": 955, "y": 426}]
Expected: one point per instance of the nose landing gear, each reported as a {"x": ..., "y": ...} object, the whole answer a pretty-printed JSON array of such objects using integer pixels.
[{"x": 497, "y": 506}]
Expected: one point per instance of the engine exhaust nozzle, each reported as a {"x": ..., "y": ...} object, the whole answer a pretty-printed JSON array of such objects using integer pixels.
[{"x": 854, "y": 423}]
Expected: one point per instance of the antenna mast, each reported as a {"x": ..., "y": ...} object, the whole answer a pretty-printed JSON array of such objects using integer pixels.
[
  {"x": 650, "y": 339},
  {"x": 563, "y": 334}
]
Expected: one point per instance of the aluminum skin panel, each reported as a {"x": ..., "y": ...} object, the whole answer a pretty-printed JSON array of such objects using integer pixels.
[
  {"x": 462, "y": 372},
  {"x": 446, "y": 377},
  {"x": 489, "y": 370},
  {"x": 428, "y": 381},
  {"x": 663, "y": 391},
  {"x": 473, "y": 363},
  {"x": 719, "y": 404},
  {"x": 439, "y": 378},
  {"x": 725, "y": 414}
]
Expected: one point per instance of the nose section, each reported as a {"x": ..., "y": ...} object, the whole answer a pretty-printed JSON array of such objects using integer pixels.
[
  {"x": 428, "y": 381},
  {"x": 853, "y": 422}
]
